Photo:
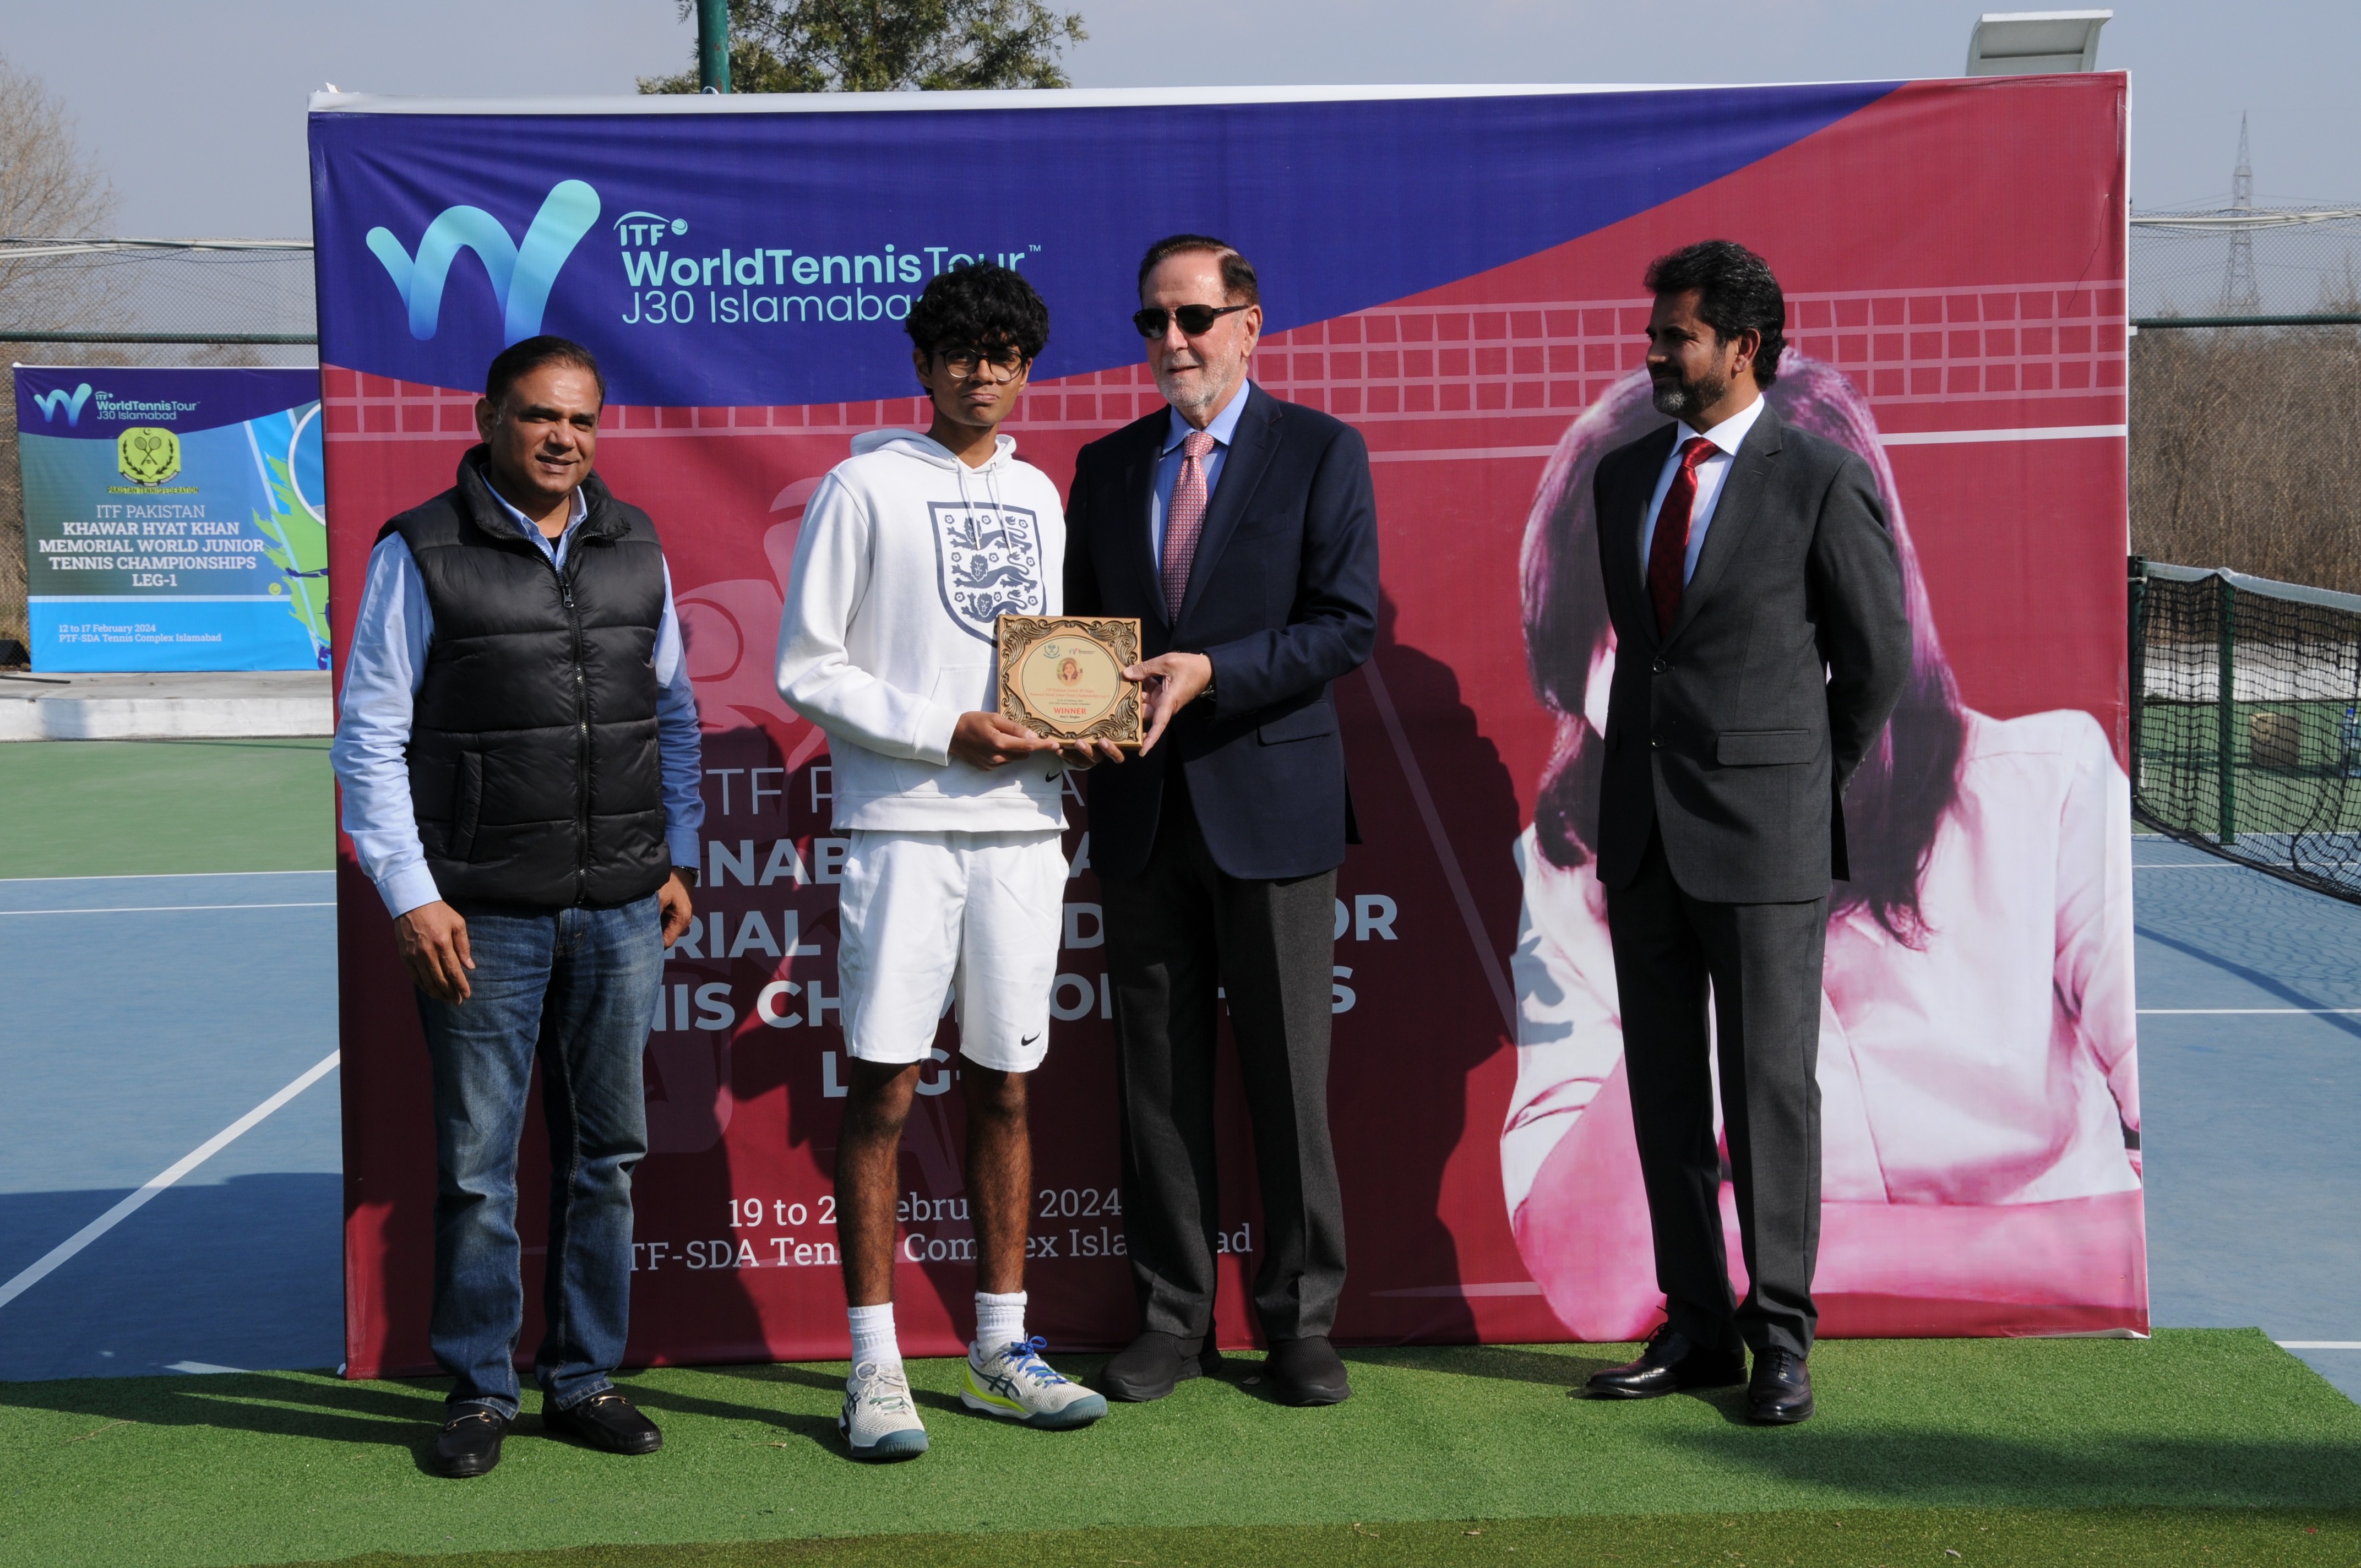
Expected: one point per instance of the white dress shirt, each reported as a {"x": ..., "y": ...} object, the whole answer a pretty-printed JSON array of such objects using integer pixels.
[
  {"x": 1710, "y": 475},
  {"x": 1224, "y": 429},
  {"x": 382, "y": 674}
]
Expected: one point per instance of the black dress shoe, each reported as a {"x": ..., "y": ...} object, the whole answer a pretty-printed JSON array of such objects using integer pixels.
[
  {"x": 606, "y": 1419},
  {"x": 1673, "y": 1360},
  {"x": 1306, "y": 1371},
  {"x": 1780, "y": 1392},
  {"x": 469, "y": 1443},
  {"x": 1149, "y": 1366}
]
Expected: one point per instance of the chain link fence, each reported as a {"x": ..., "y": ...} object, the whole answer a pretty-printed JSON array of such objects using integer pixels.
[
  {"x": 147, "y": 302},
  {"x": 2243, "y": 263}
]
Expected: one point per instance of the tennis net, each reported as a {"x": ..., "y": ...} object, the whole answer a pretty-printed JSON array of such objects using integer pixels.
[{"x": 2246, "y": 730}]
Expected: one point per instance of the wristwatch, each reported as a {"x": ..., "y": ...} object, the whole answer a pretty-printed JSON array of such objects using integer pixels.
[{"x": 685, "y": 873}]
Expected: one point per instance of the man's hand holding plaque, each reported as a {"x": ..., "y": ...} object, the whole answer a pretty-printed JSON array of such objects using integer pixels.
[{"x": 1064, "y": 679}]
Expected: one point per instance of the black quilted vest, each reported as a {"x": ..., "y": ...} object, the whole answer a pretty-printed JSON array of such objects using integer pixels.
[{"x": 532, "y": 744}]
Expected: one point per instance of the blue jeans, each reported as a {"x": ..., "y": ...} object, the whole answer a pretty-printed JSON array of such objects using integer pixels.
[{"x": 574, "y": 988}]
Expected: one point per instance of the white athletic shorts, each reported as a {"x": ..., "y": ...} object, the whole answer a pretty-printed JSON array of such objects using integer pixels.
[{"x": 928, "y": 915}]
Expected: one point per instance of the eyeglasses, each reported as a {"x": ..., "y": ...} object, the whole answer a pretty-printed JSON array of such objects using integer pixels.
[
  {"x": 1195, "y": 321},
  {"x": 967, "y": 359}
]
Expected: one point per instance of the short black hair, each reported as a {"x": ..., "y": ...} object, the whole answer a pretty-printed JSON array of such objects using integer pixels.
[
  {"x": 1736, "y": 293},
  {"x": 512, "y": 363},
  {"x": 982, "y": 303},
  {"x": 1239, "y": 284}
]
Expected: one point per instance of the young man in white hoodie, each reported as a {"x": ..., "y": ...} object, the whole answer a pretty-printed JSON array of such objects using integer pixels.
[{"x": 955, "y": 879}]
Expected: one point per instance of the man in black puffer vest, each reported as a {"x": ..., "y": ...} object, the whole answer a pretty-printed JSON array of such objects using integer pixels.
[{"x": 518, "y": 747}]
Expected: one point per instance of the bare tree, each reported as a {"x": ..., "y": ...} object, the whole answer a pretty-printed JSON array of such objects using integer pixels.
[
  {"x": 48, "y": 188},
  {"x": 2237, "y": 454}
]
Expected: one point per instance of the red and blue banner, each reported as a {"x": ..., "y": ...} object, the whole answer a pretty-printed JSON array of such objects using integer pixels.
[
  {"x": 1457, "y": 271},
  {"x": 174, "y": 519}
]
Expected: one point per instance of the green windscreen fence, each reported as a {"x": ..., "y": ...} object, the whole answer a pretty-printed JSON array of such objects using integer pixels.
[{"x": 2247, "y": 727}]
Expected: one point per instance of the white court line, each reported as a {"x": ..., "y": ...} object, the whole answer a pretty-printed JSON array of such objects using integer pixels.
[
  {"x": 179, "y": 1168},
  {"x": 2318, "y": 1344},
  {"x": 171, "y": 908},
  {"x": 159, "y": 876},
  {"x": 2249, "y": 1012}
]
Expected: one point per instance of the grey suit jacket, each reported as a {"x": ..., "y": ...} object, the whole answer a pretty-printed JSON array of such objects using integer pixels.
[{"x": 1735, "y": 732}]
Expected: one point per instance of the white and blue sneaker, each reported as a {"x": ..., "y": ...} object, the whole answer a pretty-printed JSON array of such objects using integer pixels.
[
  {"x": 1013, "y": 1383},
  {"x": 879, "y": 1420}
]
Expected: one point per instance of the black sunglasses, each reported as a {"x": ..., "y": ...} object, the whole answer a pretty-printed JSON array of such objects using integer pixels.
[{"x": 1195, "y": 321}]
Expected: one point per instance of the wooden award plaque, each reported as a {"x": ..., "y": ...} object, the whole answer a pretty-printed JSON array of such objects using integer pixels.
[{"x": 1061, "y": 676}]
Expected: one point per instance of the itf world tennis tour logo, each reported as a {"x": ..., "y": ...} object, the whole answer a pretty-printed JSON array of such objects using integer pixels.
[
  {"x": 676, "y": 278},
  {"x": 49, "y": 403}
]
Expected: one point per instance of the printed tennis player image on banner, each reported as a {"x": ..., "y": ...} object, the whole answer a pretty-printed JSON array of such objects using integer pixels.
[
  {"x": 1457, "y": 273},
  {"x": 174, "y": 519}
]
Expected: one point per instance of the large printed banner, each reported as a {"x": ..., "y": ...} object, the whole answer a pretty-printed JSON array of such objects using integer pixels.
[
  {"x": 1456, "y": 272},
  {"x": 174, "y": 519}
]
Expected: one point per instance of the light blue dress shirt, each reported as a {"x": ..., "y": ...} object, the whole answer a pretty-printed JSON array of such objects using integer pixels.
[
  {"x": 382, "y": 674},
  {"x": 1712, "y": 475},
  {"x": 1167, "y": 466}
]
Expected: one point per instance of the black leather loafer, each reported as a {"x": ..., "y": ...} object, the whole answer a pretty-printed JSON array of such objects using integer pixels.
[
  {"x": 469, "y": 1443},
  {"x": 1306, "y": 1371},
  {"x": 1149, "y": 1366},
  {"x": 606, "y": 1419},
  {"x": 1672, "y": 1361},
  {"x": 1780, "y": 1392}
]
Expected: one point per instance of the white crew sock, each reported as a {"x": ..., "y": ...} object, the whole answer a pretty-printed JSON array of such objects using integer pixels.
[
  {"x": 873, "y": 1335},
  {"x": 999, "y": 1320}
]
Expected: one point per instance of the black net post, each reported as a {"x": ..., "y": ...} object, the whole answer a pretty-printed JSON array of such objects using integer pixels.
[{"x": 2225, "y": 712}]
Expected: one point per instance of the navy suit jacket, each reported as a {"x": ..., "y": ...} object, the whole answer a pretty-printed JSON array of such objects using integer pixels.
[{"x": 1283, "y": 598}]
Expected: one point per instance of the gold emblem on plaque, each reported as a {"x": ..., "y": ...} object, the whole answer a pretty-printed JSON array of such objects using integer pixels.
[{"x": 1061, "y": 676}]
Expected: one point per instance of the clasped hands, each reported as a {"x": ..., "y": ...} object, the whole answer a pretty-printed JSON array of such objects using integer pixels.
[{"x": 1172, "y": 681}]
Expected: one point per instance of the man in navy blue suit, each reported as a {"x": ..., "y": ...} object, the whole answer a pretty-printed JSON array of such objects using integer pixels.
[{"x": 1242, "y": 532}]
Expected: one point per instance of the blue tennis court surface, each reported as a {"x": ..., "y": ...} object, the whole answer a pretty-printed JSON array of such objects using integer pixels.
[{"x": 148, "y": 1015}]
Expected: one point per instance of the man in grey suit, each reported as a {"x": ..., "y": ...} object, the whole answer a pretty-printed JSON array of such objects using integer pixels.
[{"x": 1760, "y": 643}]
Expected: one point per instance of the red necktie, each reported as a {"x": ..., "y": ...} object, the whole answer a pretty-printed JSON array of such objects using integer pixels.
[
  {"x": 1185, "y": 522},
  {"x": 1670, "y": 548}
]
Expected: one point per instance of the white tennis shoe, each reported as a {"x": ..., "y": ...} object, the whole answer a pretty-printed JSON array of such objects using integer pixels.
[
  {"x": 880, "y": 1421},
  {"x": 1013, "y": 1383}
]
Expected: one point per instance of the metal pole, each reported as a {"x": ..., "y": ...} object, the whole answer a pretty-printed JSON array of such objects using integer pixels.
[
  {"x": 2226, "y": 709},
  {"x": 713, "y": 46},
  {"x": 2135, "y": 597}
]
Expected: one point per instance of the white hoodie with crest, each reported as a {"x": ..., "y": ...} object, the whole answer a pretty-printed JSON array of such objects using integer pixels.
[{"x": 905, "y": 558}]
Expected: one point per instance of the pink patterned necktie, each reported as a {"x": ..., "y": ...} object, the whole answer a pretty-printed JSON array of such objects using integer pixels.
[{"x": 1186, "y": 519}]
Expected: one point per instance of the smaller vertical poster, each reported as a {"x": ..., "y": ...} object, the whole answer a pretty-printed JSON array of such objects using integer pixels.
[{"x": 173, "y": 518}]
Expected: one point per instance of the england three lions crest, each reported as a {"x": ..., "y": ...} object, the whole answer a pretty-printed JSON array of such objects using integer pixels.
[{"x": 988, "y": 563}]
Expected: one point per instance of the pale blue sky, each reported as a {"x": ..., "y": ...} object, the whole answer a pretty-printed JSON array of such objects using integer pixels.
[{"x": 201, "y": 125}]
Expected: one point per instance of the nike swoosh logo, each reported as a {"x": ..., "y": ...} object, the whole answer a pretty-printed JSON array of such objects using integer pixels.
[{"x": 1027, "y": 1041}]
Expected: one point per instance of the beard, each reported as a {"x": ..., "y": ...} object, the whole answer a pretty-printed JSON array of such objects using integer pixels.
[
  {"x": 1213, "y": 382},
  {"x": 1682, "y": 397}
]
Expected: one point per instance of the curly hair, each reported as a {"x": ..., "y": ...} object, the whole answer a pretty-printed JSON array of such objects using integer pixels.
[{"x": 983, "y": 303}]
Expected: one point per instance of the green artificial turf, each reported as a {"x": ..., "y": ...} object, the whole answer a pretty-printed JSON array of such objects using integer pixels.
[
  {"x": 293, "y": 1467},
  {"x": 148, "y": 807},
  {"x": 2002, "y": 1538}
]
